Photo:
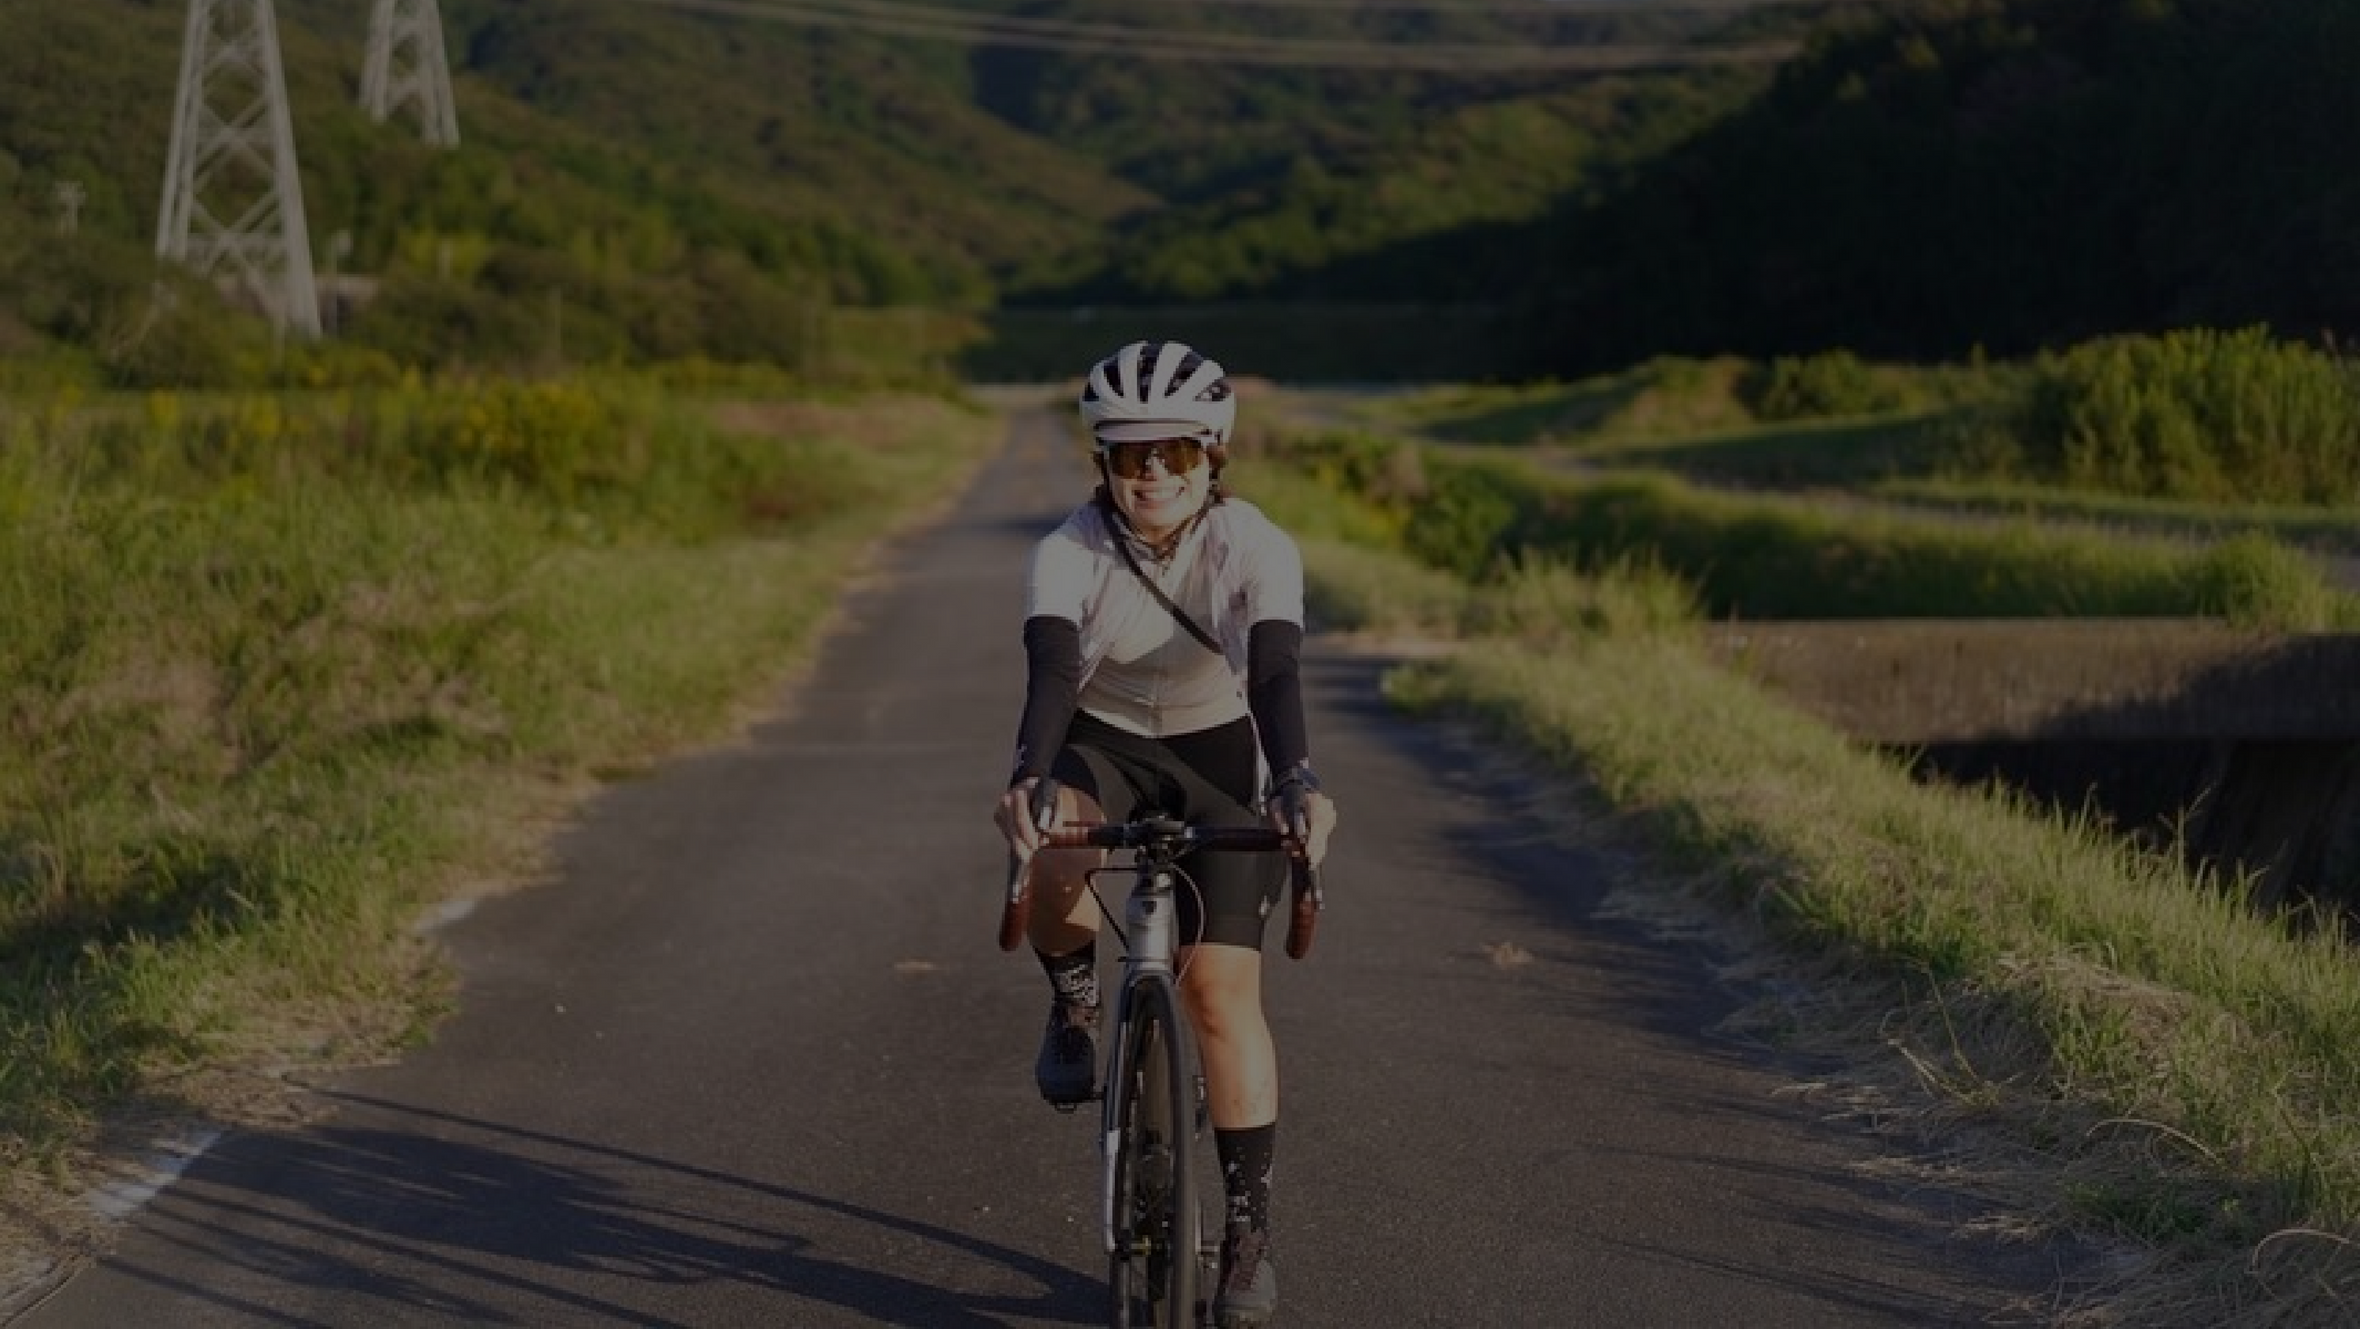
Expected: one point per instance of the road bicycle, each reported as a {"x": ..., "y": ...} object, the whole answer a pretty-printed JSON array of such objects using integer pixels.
[{"x": 1157, "y": 1181}]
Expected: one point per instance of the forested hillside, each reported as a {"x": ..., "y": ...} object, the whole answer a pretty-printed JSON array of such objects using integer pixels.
[
  {"x": 1925, "y": 179},
  {"x": 1999, "y": 173},
  {"x": 655, "y": 179}
]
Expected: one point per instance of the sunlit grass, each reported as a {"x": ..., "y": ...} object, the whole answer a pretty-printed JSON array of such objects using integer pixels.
[
  {"x": 268, "y": 695},
  {"x": 2310, "y": 525}
]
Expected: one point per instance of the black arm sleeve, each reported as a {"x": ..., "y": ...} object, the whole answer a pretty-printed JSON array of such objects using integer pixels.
[
  {"x": 1274, "y": 691},
  {"x": 1052, "y": 692}
]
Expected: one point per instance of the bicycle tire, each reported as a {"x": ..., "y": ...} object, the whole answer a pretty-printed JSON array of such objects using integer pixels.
[{"x": 1153, "y": 1271}]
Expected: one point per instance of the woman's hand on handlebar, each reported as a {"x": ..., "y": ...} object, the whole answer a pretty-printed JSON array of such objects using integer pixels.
[
  {"x": 1018, "y": 817},
  {"x": 1307, "y": 814}
]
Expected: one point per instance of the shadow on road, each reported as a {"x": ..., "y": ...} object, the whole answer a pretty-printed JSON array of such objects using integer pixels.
[
  {"x": 1606, "y": 1062},
  {"x": 409, "y": 1214}
]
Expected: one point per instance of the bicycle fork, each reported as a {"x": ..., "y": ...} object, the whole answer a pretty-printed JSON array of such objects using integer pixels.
[
  {"x": 1148, "y": 943},
  {"x": 1167, "y": 1167},
  {"x": 1110, "y": 1128}
]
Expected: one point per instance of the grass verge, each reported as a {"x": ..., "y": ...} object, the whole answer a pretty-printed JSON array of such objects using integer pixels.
[
  {"x": 2163, "y": 1066},
  {"x": 284, "y": 675}
]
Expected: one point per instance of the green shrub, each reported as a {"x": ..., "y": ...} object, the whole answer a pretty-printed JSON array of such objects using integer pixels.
[
  {"x": 1831, "y": 383},
  {"x": 1467, "y": 520},
  {"x": 2197, "y": 414},
  {"x": 1382, "y": 469}
]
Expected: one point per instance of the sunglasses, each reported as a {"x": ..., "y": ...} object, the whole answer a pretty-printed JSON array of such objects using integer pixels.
[{"x": 1179, "y": 456}]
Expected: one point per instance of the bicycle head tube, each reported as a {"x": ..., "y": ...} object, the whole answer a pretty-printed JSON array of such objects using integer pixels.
[{"x": 1148, "y": 915}]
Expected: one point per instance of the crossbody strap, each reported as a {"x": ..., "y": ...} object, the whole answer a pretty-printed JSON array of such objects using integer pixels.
[{"x": 1123, "y": 547}]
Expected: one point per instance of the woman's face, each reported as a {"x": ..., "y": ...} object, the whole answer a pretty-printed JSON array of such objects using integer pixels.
[{"x": 1158, "y": 485}]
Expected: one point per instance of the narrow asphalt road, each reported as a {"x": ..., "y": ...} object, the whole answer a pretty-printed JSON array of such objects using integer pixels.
[{"x": 754, "y": 1059}]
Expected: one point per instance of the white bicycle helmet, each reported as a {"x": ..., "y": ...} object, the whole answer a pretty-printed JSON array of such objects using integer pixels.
[{"x": 1158, "y": 389}]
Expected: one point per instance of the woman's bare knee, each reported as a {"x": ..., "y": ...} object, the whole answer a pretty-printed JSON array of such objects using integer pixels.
[
  {"x": 1064, "y": 916},
  {"x": 1223, "y": 988}
]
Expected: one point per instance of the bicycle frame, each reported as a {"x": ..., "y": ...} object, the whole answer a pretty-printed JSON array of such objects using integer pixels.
[
  {"x": 1150, "y": 955},
  {"x": 1150, "y": 978}
]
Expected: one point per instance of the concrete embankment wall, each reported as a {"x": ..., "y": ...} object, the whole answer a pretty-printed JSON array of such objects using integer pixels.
[{"x": 2242, "y": 746}]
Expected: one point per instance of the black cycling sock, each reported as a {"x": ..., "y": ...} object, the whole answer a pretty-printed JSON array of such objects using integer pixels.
[
  {"x": 1074, "y": 975},
  {"x": 1247, "y": 1157}
]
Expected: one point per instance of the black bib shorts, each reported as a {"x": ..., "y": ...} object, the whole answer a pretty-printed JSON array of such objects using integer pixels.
[{"x": 1206, "y": 778}]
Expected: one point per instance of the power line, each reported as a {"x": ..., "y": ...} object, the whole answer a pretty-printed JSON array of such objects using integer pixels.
[
  {"x": 984, "y": 28},
  {"x": 973, "y": 28}
]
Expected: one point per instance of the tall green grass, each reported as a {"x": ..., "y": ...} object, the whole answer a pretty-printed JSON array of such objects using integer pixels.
[
  {"x": 2332, "y": 530},
  {"x": 282, "y": 671},
  {"x": 1768, "y": 556}
]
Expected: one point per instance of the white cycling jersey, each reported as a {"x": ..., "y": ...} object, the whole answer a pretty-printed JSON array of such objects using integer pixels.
[{"x": 1141, "y": 671}]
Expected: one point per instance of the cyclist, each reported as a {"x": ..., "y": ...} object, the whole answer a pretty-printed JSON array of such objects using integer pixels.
[{"x": 1162, "y": 628}]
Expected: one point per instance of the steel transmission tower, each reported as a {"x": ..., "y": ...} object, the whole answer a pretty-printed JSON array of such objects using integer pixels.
[
  {"x": 233, "y": 204},
  {"x": 406, "y": 66}
]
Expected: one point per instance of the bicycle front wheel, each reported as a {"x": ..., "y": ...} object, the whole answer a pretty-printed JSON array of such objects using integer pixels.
[{"x": 1153, "y": 1269}]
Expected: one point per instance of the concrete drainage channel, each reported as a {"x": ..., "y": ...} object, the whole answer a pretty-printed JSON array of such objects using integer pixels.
[{"x": 2247, "y": 742}]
